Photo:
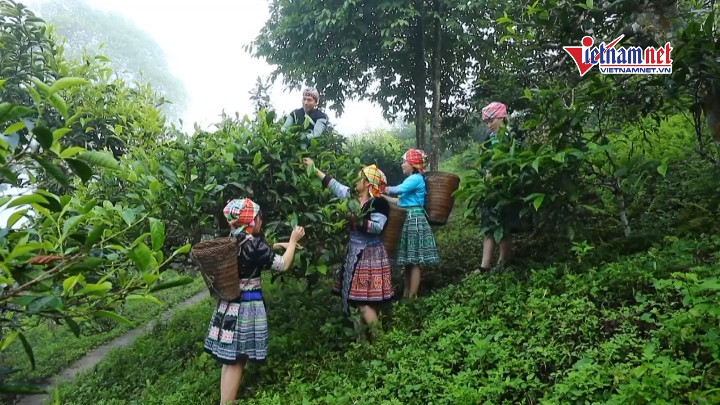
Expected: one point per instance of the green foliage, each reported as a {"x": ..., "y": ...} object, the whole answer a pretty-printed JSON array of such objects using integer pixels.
[
  {"x": 55, "y": 346},
  {"x": 27, "y": 49},
  {"x": 382, "y": 149},
  {"x": 259, "y": 95},
  {"x": 111, "y": 113},
  {"x": 610, "y": 124},
  {"x": 74, "y": 261},
  {"x": 186, "y": 181},
  {"x": 508, "y": 176}
]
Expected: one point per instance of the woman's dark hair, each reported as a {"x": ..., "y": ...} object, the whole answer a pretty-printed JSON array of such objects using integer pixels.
[{"x": 415, "y": 171}]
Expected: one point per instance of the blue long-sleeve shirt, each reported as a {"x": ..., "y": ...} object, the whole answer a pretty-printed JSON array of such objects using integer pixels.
[{"x": 411, "y": 192}]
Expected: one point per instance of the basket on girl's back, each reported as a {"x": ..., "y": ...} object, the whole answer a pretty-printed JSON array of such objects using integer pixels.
[{"x": 238, "y": 329}]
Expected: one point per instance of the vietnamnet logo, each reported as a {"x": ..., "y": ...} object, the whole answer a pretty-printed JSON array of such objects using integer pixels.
[{"x": 622, "y": 60}]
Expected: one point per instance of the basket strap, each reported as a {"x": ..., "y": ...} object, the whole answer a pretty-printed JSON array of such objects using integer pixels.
[{"x": 211, "y": 283}]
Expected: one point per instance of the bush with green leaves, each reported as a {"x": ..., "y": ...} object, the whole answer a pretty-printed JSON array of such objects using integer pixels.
[
  {"x": 185, "y": 181},
  {"x": 75, "y": 259},
  {"x": 382, "y": 149}
]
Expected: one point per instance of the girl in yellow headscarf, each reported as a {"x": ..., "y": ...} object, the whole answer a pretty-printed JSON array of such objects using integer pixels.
[{"x": 365, "y": 279}]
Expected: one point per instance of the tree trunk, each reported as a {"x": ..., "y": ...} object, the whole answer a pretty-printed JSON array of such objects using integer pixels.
[
  {"x": 620, "y": 198},
  {"x": 420, "y": 76},
  {"x": 711, "y": 108},
  {"x": 435, "y": 118}
]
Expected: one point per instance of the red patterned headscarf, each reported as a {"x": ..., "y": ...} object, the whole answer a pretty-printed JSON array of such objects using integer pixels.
[
  {"x": 377, "y": 179},
  {"x": 241, "y": 214},
  {"x": 416, "y": 158}
]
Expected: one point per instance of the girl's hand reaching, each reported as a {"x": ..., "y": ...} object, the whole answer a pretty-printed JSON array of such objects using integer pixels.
[
  {"x": 285, "y": 245},
  {"x": 309, "y": 163},
  {"x": 297, "y": 234}
]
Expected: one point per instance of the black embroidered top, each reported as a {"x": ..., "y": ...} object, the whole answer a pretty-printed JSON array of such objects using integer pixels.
[
  {"x": 375, "y": 210},
  {"x": 255, "y": 255}
]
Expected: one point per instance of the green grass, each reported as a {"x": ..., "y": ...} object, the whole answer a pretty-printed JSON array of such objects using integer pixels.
[{"x": 56, "y": 347}]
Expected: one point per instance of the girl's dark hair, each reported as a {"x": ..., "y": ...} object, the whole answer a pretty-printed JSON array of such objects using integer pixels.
[
  {"x": 415, "y": 171},
  {"x": 262, "y": 231}
]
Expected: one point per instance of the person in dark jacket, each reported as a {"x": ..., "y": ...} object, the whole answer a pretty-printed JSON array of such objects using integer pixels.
[{"x": 309, "y": 116}]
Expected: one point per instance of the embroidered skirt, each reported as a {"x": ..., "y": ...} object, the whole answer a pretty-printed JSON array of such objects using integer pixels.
[
  {"x": 417, "y": 243},
  {"x": 238, "y": 329},
  {"x": 366, "y": 275}
]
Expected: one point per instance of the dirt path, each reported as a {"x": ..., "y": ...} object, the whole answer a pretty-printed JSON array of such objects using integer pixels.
[{"x": 94, "y": 357}]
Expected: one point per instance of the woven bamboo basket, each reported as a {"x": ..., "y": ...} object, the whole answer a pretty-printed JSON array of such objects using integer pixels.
[
  {"x": 439, "y": 200},
  {"x": 219, "y": 266},
  {"x": 393, "y": 229}
]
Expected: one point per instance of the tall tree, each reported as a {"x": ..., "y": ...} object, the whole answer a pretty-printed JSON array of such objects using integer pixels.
[{"x": 378, "y": 51}]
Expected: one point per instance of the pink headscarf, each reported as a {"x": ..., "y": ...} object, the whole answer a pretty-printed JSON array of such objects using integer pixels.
[{"x": 494, "y": 110}]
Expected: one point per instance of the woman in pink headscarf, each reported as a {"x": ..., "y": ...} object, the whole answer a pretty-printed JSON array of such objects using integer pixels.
[{"x": 495, "y": 118}]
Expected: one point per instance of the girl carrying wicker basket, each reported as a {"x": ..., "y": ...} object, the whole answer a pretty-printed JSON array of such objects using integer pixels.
[
  {"x": 238, "y": 329},
  {"x": 417, "y": 243}
]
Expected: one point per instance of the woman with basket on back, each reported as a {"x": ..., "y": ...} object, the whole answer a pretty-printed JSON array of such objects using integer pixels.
[
  {"x": 238, "y": 329},
  {"x": 417, "y": 243},
  {"x": 365, "y": 280}
]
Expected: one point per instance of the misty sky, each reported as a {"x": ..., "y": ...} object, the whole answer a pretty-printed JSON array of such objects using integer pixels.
[{"x": 203, "y": 43}]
